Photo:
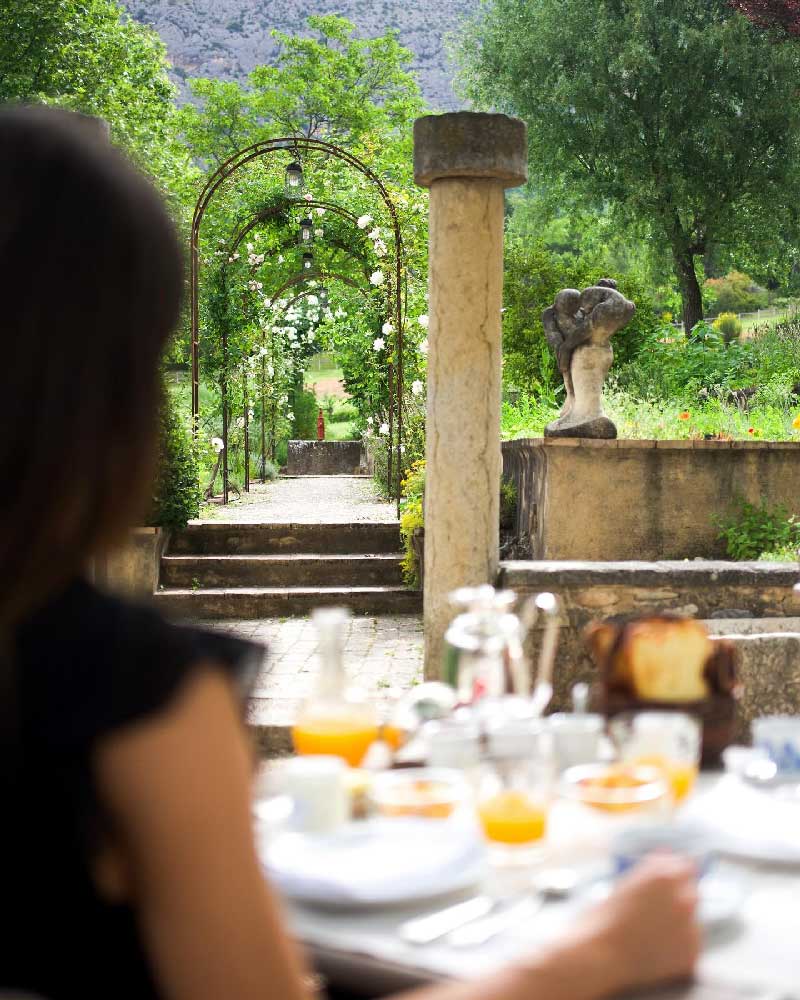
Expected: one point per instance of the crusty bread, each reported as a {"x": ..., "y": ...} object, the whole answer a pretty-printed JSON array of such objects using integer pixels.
[{"x": 666, "y": 659}]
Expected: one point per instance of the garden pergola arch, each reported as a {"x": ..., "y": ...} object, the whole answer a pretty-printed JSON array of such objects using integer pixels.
[
  {"x": 291, "y": 283},
  {"x": 296, "y": 146}
]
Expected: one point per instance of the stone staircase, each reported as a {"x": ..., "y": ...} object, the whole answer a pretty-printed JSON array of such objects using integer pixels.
[{"x": 231, "y": 570}]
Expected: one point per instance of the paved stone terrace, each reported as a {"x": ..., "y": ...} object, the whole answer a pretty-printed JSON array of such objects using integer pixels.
[
  {"x": 383, "y": 656},
  {"x": 309, "y": 500}
]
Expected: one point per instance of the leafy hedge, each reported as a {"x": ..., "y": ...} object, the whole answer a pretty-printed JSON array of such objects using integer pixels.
[{"x": 176, "y": 491}]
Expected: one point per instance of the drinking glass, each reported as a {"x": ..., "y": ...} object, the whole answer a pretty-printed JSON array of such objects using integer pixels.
[
  {"x": 669, "y": 741},
  {"x": 516, "y": 788}
]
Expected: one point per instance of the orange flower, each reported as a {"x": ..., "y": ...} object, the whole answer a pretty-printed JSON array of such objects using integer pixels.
[
  {"x": 684, "y": 416},
  {"x": 796, "y": 422}
]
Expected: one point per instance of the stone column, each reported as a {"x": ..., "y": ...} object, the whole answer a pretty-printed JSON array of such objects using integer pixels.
[{"x": 467, "y": 160}]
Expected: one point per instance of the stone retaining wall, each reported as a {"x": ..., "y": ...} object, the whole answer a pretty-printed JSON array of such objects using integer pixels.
[
  {"x": 324, "y": 458},
  {"x": 754, "y": 603},
  {"x": 614, "y": 500}
]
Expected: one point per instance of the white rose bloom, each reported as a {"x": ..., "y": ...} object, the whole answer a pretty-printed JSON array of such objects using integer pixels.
[
  {"x": 364, "y": 221},
  {"x": 423, "y": 321},
  {"x": 423, "y": 347},
  {"x": 281, "y": 258},
  {"x": 270, "y": 369},
  {"x": 267, "y": 303},
  {"x": 380, "y": 248},
  {"x": 319, "y": 233},
  {"x": 417, "y": 387},
  {"x": 312, "y": 300},
  {"x": 290, "y": 416},
  {"x": 263, "y": 352},
  {"x": 217, "y": 444},
  {"x": 383, "y": 429},
  {"x": 240, "y": 423},
  {"x": 387, "y": 328},
  {"x": 311, "y": 337},
  {"x": 295, "y": 345},
  {"x": 368, "y": 432},
  {"x": 320, "y": 211},
  {"x": 370, "y": 420},
  {"x": 375, "y": 234},
  {"x": 378, "y": 344},
  {"x": 250, "y": 247},
  {"x": 377, "y": 278}
]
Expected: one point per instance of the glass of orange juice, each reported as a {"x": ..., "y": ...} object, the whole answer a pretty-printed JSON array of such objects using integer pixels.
[
  {"x": 515, "y": 790},
  {"x": 669, "y": 741}
]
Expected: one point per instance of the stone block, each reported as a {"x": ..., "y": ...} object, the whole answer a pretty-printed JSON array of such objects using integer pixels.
[{"x": 324, "y": 458}]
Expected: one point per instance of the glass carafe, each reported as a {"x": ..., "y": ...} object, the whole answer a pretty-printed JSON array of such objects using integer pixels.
[{"x": 336, "y": 720}]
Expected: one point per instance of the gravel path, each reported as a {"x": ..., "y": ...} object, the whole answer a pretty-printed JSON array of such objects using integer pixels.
[{"x": 308, "y": 500}]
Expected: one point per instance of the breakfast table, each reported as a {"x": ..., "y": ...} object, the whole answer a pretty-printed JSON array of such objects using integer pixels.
[{"x": 751, "y": 945}]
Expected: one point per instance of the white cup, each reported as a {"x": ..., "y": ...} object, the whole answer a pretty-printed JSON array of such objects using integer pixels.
[
  {"x": 779, "y": 737},
  {"x": 577, "y": 738},
  {"x": 315, "y": 785}
]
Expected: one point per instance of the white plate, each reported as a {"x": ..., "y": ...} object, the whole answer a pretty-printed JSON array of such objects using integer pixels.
[{"x": 381, "y": 862}]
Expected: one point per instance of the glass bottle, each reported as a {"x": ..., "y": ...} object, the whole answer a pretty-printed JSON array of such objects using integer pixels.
[{"x": 336, "y": 720}]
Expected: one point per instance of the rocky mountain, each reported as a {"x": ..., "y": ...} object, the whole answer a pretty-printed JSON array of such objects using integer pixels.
[{"x": 226, "y": 38}]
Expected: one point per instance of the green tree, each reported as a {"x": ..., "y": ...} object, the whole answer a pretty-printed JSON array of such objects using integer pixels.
[
  {"x": 333, "y": 85},
  {"x": 89, "y": 56},
  {"x": 680, "y": 114}
]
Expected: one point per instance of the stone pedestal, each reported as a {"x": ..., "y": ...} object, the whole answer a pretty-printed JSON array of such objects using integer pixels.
[{"x": 467, "y": 160}]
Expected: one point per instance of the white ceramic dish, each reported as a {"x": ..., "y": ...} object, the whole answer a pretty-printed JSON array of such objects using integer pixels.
[{"x": 381, "y": 862}]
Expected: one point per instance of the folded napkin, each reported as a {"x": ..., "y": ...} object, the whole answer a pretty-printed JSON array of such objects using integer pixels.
[
  {"x": 381, "y": 861},
  {"x": 747, "y": 822}
]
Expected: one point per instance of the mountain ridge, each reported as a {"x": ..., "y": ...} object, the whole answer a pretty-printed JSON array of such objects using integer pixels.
[{"x": 227, "y": 38}]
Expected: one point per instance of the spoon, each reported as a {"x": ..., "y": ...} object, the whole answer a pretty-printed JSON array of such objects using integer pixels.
[{"x": 555, "y": 884}]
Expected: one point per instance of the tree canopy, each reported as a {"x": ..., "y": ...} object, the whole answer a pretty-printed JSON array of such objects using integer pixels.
[
  {"x": 332, "y": 85},
  {"x": 89, "y": 56},
  {"x": 680, "y": 115}
]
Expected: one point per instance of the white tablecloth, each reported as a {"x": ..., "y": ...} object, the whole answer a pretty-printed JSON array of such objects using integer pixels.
[{"x": 760, "y": 947}]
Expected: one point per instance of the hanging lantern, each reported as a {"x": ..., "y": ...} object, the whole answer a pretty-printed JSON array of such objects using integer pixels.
[
  {"x": 323, "y": 297},
  {"x": 294, "y": 180},
  {"x": 306, "y": 232},
  {"x": 308, "y": 261}
]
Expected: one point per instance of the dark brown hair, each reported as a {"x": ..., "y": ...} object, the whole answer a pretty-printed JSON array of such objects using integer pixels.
[{"x": 91, "y": 277}]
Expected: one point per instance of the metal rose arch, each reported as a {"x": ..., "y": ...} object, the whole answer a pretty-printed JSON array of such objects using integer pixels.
[{"x": 395, "y": 298}]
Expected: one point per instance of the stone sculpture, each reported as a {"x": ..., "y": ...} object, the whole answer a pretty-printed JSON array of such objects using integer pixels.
[{"x": 579, "y": 326}]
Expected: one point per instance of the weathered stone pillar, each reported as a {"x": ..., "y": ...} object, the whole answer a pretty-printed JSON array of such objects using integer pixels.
[{"x": 467, "y": 160}]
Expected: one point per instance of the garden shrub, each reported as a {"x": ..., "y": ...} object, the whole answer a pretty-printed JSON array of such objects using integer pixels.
[
  {"x": 508, "y": 504},
  {"x": 306, "y": 411},
  {"x": 736, "y": 293},
  {"x": 729, "y": 326},
  {"x": 176, "y": 490},
  {"x": 412, "y": 518},
  {"x": 752, "y": 530}
]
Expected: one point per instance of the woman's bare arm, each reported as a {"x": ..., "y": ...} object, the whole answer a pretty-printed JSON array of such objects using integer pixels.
[
  {"x": 179, "y": 789},
  {"x": 178, "y": 786}
]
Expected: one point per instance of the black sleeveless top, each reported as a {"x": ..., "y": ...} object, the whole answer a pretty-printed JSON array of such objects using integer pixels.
[{"x": 85, "y": 666}]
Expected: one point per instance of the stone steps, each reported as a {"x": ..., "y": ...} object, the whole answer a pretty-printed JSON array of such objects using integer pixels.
[
  {"x": 296, "y": 570},
  {"x": 229, "y": 570},
  {"x": 240, "y": 603},
  {"x": 233, "y": 538}
]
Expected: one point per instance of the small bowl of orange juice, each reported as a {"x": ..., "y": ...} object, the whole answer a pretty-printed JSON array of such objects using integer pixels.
[
  {"x": 427, "y": 793},
  {"x": 615, "y": 787}
]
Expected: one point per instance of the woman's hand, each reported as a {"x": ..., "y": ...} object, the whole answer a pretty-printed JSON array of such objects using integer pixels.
[{"x": 646, "y": 932}]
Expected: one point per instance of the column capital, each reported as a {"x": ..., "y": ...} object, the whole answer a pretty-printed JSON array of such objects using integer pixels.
[{"x": 470, "y": 144}]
